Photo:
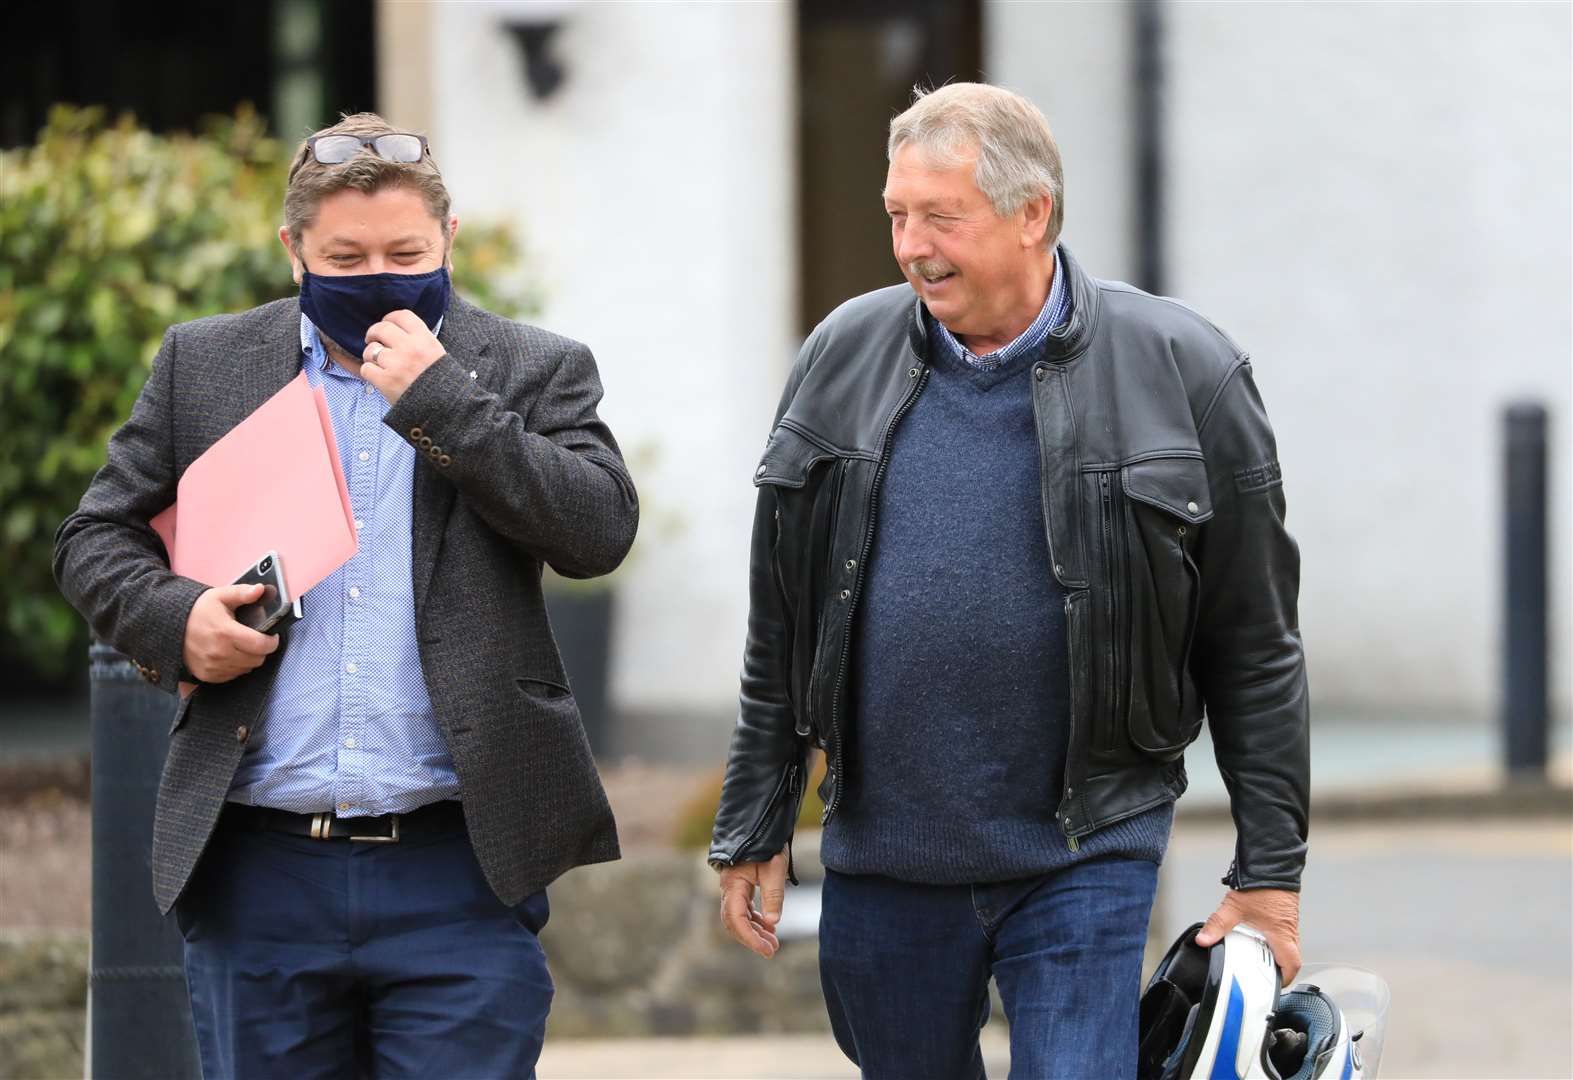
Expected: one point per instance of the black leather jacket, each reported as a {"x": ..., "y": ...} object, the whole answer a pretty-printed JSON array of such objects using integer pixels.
[{"x": 1164, "y": 510}]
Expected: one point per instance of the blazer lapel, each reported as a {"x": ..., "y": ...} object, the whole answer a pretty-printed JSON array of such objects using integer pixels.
[
  {"x": 273, "y": 359},
  {"x": 433, "y": 495}
]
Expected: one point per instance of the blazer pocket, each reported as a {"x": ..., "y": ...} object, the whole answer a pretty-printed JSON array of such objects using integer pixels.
[
  {"x": 547, "y": 689},
  {"x": 561, "y": 768}
]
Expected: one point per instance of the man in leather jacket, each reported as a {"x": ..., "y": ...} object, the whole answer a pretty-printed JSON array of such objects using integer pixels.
[{"x": 1014, "y": 538}]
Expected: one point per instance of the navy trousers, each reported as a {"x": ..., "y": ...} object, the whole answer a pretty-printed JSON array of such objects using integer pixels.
[
  {"x": 310, "y": 958},
  {"x": 906, "y": 968}
]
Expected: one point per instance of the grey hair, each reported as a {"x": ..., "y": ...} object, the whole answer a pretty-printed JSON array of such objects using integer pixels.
[{"x": 1017, "y": 158}]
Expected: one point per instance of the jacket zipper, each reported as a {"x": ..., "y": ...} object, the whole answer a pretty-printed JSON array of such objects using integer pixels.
[
  {"x": 1070, "y": 749},
  {"x": 921, "y": 374},
  {"x": 794, "y": 790}
]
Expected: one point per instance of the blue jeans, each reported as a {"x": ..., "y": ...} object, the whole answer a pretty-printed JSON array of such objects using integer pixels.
[
  {"x": 309, "y": 958},
  {"x": 905, "y": 969}
]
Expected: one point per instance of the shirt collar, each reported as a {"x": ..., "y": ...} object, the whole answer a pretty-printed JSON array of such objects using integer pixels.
[{"x": 1053, "y": 315}]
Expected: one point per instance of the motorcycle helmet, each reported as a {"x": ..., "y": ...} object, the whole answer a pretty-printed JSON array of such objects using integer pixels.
[{"x": 1218, "y": 1014}]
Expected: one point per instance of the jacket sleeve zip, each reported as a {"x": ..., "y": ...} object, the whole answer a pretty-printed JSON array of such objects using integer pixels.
[{"x": 787, "y": 778}]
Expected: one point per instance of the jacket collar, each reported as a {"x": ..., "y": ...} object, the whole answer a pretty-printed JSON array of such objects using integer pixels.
[{"x": 1065, "y": 343}]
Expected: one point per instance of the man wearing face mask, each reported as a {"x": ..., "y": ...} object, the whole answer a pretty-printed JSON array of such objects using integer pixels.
[{"x": 357, "y": 822}]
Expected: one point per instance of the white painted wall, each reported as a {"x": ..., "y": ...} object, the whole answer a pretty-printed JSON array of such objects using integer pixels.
[
  {"x": 1375, "y": 200},
  {"x": 656, "y": 191},
  {"x": 1074, "y": 61}
]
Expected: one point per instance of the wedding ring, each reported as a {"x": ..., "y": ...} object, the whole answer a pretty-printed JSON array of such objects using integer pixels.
[{"x": 378, "y": 347}]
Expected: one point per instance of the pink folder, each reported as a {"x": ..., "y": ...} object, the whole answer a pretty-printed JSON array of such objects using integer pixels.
[{"x": 273, "y": 483}]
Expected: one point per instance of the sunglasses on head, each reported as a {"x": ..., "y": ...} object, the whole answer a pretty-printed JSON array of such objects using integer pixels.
[{"x": 394, "y": 146}]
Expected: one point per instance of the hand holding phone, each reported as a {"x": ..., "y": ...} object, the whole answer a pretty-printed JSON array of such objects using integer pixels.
[
  {"x": 274, "y": 610},
  {"x": 233, "y": 628},
  {"x": 218, "y": 648}
]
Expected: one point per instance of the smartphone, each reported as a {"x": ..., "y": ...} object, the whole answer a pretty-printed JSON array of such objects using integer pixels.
[{"x": 275, "y": 610}]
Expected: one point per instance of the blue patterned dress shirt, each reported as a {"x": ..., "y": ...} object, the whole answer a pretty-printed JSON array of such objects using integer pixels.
[{"x": 348, "y": 726}]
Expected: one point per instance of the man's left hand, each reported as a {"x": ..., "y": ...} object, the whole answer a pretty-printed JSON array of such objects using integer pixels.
[
  {"x": 1275, "y": 912},
  {"x": 398, "y": 349}
]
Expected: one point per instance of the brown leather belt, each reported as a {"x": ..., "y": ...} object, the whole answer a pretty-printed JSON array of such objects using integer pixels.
[{"x": 434, "y": 819}]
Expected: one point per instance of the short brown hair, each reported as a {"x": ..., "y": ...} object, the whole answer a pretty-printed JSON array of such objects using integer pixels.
[{"x": 310, "y": 181}]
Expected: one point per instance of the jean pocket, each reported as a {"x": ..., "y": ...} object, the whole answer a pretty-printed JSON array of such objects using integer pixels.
[
  {"x": 533, "y": 912},
  {"x": 185, "y": 914}
]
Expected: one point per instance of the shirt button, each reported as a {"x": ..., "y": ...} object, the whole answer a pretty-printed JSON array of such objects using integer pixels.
[
  {"x": 344, "y": 806},
  {"x": 359, "y": 524},
  {"x": 365, "y": 456},
  {"x": 349, "y": 744},
  {"x": 369, "y": 388},
  {"x": 351, "y": 668},
  {"x": 354, "y": 592}
]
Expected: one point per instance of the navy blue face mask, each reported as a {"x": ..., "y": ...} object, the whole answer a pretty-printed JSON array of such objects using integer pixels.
[{"x": 345, "y": 306}]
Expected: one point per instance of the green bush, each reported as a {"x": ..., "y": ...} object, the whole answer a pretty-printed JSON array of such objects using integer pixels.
[{"x": 109, "y": 234}]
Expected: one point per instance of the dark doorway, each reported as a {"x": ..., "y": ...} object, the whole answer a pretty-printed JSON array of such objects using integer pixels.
[
  {"x": 858, "y": 61},
  {"x": 299, "y": 62}
]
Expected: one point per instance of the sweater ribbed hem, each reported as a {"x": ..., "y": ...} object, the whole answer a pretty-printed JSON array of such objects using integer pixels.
[{"x": 929, "y": 852}]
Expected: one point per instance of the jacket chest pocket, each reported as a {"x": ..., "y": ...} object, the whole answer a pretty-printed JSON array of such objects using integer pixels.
[
  {"x": 806, "y": 481},
  {"x": 1153, "y": 512}
]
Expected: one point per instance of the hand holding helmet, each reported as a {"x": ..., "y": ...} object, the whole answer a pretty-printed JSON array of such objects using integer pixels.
[{"x": 1218, "y": 1011}]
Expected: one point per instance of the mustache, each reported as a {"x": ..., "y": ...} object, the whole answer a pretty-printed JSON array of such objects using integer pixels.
[{"x": 929, "y": 268}]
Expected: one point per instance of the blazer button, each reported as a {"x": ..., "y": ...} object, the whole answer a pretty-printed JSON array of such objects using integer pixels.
[
  {"x": 242, "y": 733},
  {"x": 425, "y": 442},
  {"x": 152, "y": 676},
  {"x": 444, "y": 461},
  {"x": 435, "y": 451},
  {"x": 416, "y": 433}
]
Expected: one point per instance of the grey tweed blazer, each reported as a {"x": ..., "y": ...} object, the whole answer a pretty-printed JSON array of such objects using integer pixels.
[{"x": 531, "y": 476}]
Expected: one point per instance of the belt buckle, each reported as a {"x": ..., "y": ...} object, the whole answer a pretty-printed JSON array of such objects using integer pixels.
[{"x": 391, "y": 838}]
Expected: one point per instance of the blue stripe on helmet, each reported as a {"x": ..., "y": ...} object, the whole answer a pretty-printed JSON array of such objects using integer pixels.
[{"x": 1229, "y": 1041}]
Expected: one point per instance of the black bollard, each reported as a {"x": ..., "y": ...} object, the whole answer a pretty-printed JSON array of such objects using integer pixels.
[
  {"x": 139, "y": 1017},
  {"x": 1525, "y": 691}
]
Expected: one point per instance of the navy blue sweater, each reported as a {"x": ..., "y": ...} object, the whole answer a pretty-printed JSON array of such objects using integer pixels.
[{"x": 961, "y": 674}]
